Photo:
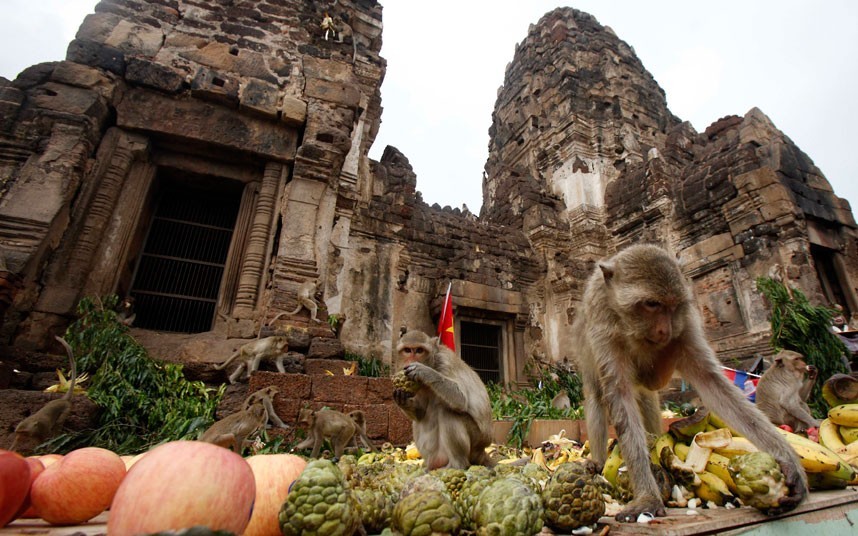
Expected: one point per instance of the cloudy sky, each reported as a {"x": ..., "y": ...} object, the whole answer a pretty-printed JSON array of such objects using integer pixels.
[{"x": 795, "y": 60}]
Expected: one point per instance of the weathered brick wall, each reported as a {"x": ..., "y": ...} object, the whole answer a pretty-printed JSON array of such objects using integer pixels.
[{"x": 374, "y": 396}]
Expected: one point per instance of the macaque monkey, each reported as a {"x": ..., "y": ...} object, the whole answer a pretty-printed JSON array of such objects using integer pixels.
[
  {"x": 450, "y": 412},
  {"x": 330, "y": 424},
  {"x": 233, "y": 430},
  {"x": 265, "y": 397},
  {"x": 637, "y": 325},
  {"x": 307, "y": 298},
  {"x": 125, "y": 313},
  {"x": 561, "y": 400},
  {"x": 360, "y": 421},
  {"x": 253, "y": 353},
  {"x": 783, "y": 390},
  {"x": 48, "y": 421}
]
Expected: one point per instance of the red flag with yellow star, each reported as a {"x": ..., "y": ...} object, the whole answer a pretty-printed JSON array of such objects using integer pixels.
[{"x": 445, "y": 323}]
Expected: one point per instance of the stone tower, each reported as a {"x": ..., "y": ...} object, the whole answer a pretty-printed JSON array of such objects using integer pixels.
[{"x": 210, "y": 158}]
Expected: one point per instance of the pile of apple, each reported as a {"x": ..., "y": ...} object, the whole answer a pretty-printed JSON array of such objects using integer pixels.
[{"x": 175, "y": 485}]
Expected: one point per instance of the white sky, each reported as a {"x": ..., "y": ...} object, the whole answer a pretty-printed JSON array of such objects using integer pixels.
[{"x": 795, "y": 60}]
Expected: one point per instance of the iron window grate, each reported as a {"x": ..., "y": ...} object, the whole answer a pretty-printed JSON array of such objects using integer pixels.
[{"x": 179, "y": 273}]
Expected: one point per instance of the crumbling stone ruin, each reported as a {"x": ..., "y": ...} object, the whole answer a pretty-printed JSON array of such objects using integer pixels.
[{"x": 208, "y": 158}]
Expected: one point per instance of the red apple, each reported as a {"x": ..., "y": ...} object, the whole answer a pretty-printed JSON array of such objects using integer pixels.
[
  {"x": 14, "y": 484},
  {"x": 182, "y": 484},
  {"x": 78, "y": 487},
  {"x": 36, "y": 468},
  {"x": 274, "y": 473}
]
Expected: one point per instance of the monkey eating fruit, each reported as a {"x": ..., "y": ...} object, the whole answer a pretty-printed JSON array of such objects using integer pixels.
[
  {"x": 450, "y": 410},
  {"x": 783, "y": 390}
]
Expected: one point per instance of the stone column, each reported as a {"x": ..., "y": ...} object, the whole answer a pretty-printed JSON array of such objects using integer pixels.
[
  {"x": 73, "y": 262},
  {"x": 254, "y": 255}
]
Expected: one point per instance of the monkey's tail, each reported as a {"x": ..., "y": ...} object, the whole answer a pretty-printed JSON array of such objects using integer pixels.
[
  {"x": 226, "y": 363},
  {"x": 72, "y": 364}
]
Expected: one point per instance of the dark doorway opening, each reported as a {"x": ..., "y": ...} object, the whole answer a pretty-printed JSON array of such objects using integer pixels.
[
  {"x": 179, "y": 272},
  {"x": 829, "y": 279},
  {"x": 481, "y": 349}
]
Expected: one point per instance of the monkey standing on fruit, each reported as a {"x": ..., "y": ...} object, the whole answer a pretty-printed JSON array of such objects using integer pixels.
[
  {"x": 450, "y": 410},
  {"x": 637, "y": 325},
  {"x": 783, "y": 390},
  {"x": 48, "y": 421}
]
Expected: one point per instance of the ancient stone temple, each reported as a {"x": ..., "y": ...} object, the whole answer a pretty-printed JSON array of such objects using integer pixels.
[{"x": 210, "y": 158}]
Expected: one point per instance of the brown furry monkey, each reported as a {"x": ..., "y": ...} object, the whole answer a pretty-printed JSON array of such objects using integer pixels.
[
  {"x": 360, "y": 432},
  {"x": 307, "y": 298},
  {"x": 233, "y": 430},
  {"x": 265, "y": 397},
  {"x": 253, "y": 353},
  {"x": 328, "y": 424},
  {"x": 783, "y": 390},
  {"x": 450, "y": 412},
  {"x": 637, "y": 325},
  {"x": 48, "y": 421}
]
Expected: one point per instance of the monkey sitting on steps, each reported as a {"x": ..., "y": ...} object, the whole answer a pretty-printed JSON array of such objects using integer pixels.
[
  {"x": 783, "y": 390},
  {"x": 638, "y": 323},
  {"x": 48, "y": 421}
]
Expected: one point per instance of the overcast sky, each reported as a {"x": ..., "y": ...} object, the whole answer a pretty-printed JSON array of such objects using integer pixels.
[{"x": 795, "y": 60}]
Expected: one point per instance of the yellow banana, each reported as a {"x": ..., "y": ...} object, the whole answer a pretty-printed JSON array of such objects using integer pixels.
[
  {"x": 718, "y": 466},
  {"x": 849, "y": 434},
  {"x": 815, "y": 458},
  {"x": 820, "y": 481},
  {"x": 664, "y": 440},
  {"x": 612, "y": 465},
  {"x": 849, "y": 451},
  {"x": 712, "y": 488},
  {"x": 681, "y": 450},
  {"x": 718, "y": 422},
  {"x": 844, "y": 415},
  {"x": 829, "y": 435},
  {"x": 843, "y": 471},
  {"x": 737, "y": 446}
]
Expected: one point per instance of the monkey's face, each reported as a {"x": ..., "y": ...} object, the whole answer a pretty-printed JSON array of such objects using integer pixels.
[
  {"x": 792, "y": 362},
  {"x": 412, "y": 353},
  {"x": 657, "y": 318},
  {"x": 305, "y": 418}
]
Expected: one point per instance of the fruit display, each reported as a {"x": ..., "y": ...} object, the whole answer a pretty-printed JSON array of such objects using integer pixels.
[{"x": 698, "y": 463}]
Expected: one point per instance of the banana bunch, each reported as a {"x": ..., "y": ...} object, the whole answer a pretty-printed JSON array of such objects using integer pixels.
[{"x": 839, "y": 432}]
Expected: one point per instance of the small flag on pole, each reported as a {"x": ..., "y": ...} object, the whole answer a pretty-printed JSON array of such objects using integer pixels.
[{"x": 445, "y": 323}]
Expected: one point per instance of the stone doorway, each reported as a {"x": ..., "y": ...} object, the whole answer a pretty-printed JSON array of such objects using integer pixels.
[
  {"x": 178, "y": 277},
  {"x": 481, "y": 349}
]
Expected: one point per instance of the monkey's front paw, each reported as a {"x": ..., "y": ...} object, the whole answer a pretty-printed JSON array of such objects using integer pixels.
[
  {"x": 644, "y": 505},
  {"x": 797, "y": 489},
  {"x": 402, "y": 397},
  {"x": 416, "y": 372}
]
